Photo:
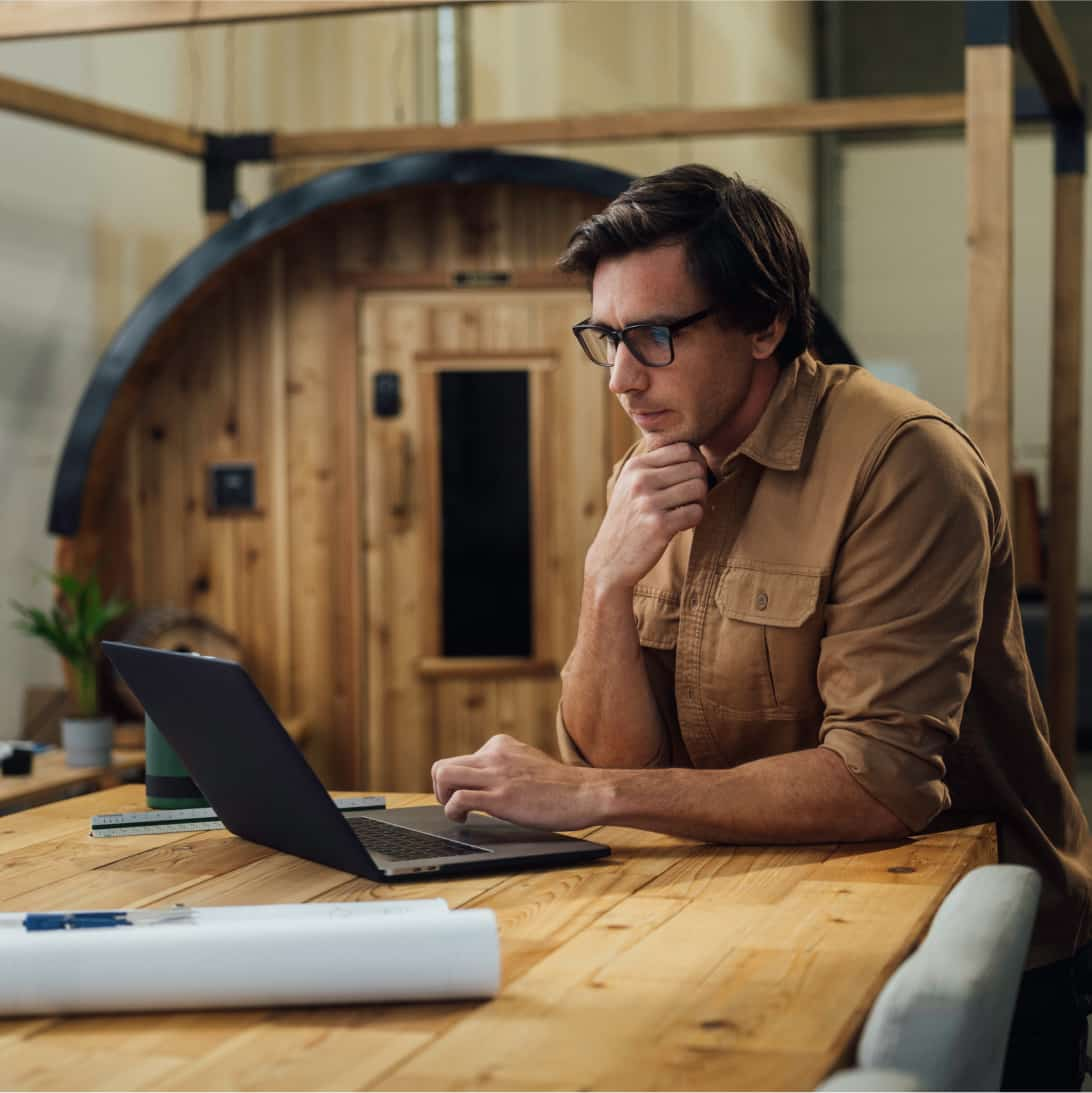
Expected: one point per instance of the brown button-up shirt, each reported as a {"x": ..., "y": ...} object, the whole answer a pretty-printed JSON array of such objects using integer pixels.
[{"x": 851, "y": 587}]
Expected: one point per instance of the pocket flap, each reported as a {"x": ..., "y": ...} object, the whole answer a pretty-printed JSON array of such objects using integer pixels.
[
  {"x": 657, "y": 616},
  {"x": 768, "y": 595}
]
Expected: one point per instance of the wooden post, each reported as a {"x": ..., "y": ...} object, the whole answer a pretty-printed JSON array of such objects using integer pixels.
[
  {"x": 1065, "y": 440},
  {"x": 989, "y": 326}
]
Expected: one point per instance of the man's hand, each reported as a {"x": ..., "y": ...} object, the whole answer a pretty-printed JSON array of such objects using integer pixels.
[
  {"x": 516, "y": 782},
  {"x": 657, "y": 495}
]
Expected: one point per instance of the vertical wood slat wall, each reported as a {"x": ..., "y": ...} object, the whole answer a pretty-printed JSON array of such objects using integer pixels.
[{"x": 266, "y": 370}]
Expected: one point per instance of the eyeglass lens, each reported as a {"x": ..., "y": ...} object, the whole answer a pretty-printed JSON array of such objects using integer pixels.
[{"x": 649, "y": 344}]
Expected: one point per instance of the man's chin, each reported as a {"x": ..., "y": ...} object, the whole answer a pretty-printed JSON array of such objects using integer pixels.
[{"x": 661, "y": 438}]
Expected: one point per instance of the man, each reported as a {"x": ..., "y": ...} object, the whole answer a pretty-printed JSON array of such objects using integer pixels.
[{"x": 799, "y": 621}]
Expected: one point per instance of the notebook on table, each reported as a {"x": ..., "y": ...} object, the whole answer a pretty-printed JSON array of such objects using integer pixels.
[{"x": 262, "y": 788}]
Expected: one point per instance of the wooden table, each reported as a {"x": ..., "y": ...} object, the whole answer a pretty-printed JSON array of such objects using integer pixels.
[
  {"x": 51, "y": 780},
  {"x": 669, "y": 965}
]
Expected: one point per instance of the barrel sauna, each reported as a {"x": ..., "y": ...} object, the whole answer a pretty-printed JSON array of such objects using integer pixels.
[{"x": 352, "y": 430}]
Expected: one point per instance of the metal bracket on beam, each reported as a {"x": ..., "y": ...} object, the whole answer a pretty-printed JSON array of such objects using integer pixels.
[
  {"x": 223, "y": 154},
  {"x": 989, "y": 22},
  {"x": 1028, "y": 104},
  {"x": 1070, "y": 142}
]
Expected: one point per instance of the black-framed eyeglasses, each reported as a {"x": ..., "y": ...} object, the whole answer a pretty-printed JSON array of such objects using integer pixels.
[{"x": 653, "y": 344}]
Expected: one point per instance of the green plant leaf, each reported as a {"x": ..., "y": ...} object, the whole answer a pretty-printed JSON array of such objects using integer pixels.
[{"x": 72, "y": 626}]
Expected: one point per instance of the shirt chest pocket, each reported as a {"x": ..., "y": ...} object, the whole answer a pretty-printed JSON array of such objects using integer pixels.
[
  {"x": 760, "y": 640},
  {"x": 656, "y": 614}
]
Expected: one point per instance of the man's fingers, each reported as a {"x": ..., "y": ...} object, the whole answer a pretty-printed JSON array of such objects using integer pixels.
[
  {"x": 685, "y": 516},
  {"x": 464, "y": 801},
  {"x": 692, "y": 491},
  {"x": 660, "y": 478},
  {"x": 451, "y": 775}
]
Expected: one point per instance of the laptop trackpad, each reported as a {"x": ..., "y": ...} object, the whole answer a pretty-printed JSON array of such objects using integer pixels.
[{"x": 480, "y": 830}]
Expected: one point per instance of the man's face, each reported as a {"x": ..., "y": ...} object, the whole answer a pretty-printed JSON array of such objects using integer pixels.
[{"x": 702, "y": 396}]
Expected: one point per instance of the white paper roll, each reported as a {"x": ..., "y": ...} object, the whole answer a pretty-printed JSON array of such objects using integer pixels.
[{"x": 265, "y": 960}]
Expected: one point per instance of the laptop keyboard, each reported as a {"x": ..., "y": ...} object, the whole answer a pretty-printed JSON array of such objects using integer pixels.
[{"x": 402, "y": 844}]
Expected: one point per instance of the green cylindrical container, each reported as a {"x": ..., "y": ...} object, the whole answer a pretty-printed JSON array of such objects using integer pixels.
[{"x": 167, "y": 783}]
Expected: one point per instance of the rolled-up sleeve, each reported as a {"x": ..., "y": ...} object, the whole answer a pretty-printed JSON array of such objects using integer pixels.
[
  {"x": 570, "y": 753},
  {"x": 904, "y": 613}
]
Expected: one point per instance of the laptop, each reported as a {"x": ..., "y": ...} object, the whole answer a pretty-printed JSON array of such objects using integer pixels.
[{"x": 263, "y": 789}]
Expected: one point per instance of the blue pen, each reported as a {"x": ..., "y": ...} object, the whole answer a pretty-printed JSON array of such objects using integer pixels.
[
  {"x": 41, "y": 921},
  {"x": 80, "y": 920}
]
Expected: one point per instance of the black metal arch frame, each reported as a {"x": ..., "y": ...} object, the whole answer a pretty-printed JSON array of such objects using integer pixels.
[{"x": 262, "y": 222}]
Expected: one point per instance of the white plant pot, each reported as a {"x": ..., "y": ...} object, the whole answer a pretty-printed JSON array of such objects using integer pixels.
[{"x": 87, "y": 741}]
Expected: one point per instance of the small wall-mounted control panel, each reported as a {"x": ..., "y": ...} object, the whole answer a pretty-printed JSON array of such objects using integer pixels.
[{"x": 232, "y": 488}]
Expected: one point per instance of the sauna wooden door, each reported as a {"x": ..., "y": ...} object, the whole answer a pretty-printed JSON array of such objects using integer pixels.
[{"x": 488, "y": 439}]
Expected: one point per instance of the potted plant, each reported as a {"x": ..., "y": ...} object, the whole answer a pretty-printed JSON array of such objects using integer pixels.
[{"x": 72, "y": 627}]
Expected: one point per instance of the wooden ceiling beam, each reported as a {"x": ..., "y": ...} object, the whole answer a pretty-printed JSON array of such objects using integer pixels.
[
  {"x": 888, "y": 112},
  {"x": 53, "y": 18},
  {"x": 1046, "y": 51},
  {"x": 95, "y": 117}
]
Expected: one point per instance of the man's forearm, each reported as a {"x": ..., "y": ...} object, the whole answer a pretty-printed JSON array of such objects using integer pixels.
[
  {"x": 606, "y": 699},
  {"x": 802, "y": 797}
]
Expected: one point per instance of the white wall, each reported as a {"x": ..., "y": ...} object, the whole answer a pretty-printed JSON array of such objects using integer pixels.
[
  {"x": 905, "y": 289},
  {"x": 85, "y": 224},
  {"x": 89, "y": 224}
]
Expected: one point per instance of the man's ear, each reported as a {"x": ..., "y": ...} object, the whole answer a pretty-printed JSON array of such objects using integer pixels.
[{"x": 764, "y": 343}]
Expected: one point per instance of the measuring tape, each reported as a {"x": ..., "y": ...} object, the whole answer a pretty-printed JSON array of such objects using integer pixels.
[{"x": 166, "y": 821}]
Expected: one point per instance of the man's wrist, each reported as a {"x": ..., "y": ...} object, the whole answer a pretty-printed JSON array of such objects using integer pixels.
[
  {"x": 606, "y": 787},
  {"x": 604, "y": 588}
]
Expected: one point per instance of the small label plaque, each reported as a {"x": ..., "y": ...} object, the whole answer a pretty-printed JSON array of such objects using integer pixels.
[{"x": 481, "y": 278}]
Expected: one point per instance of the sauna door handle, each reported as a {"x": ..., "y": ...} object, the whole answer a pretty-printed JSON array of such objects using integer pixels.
[{"x": 398, "y": 472}]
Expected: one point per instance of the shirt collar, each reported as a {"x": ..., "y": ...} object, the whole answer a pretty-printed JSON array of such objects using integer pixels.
[{"x": 777, "y": 441}]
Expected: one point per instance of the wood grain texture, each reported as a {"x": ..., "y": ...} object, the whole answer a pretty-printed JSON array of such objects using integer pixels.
[
  {"x": 668, "y": 965},
  {"x": 436, "y": 706},
  {"x": 58, "y": 106},
  {"x": 53, "y": 18},
  {"x": 349, "y": 682},
  {"x": 990, "y": 244},
  {"x": 267, "y": 364},
  {"x": 50, "y": 779},
  {"x": 827, "y": 115},
  {"x": 1065, "y": 466}
]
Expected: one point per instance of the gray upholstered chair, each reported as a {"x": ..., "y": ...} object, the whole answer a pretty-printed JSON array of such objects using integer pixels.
[{"x": 942, "y": 1020}]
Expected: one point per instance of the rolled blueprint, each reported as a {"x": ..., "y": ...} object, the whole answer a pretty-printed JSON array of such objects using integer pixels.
[{"x": 283, "y": 955}]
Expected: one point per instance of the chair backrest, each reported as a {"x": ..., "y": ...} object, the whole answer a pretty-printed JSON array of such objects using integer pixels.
[
  {"x": 944, "y": 1016},
  {"x": 860, "y": 1079}
]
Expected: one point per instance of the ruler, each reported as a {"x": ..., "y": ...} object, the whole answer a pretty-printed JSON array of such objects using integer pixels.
[{"x": 166, "y": 821}]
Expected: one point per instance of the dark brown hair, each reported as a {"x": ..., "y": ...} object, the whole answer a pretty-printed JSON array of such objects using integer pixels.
[{"x": 741, "y": 247}]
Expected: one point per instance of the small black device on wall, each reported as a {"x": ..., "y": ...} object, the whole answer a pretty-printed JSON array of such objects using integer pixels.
[
  {"x": 388, "y": 394},
  {"x": 232, "y": 488}
]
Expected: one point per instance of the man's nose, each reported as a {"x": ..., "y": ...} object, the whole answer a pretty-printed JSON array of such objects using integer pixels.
[{"x": 627, "y": 373}]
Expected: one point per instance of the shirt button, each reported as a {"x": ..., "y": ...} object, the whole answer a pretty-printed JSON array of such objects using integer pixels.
[
  {"x": 694, "y": 600},
  {"x": 637, "y": 622},
  {"x": 762, "y": 601}
]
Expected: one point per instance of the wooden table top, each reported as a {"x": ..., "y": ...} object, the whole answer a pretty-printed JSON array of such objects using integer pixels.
[
  {"x": 50, "y": 778},
  {"x": 668, "y": 965}
]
